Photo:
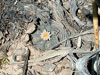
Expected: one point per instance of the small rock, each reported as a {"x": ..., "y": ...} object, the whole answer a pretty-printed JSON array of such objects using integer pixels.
[
  {"x": 49, "y": 67},
  {"x": 31, "y": 28},
  {"x": 25, "y": 38},
  {"x": 20, "y": 52},
  {"x": 1, "y": 35},
  {"x": 19, "y": 58}
]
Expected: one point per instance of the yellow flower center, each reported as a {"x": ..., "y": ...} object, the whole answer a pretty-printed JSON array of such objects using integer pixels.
[{"x": 46, "y": 35}]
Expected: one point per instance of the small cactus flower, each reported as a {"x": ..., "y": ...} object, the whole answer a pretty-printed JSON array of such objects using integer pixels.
[{"x": 45, "y": 35}]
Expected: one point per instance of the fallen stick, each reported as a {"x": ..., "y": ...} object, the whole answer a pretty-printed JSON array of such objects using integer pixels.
[
  {"x": 95, "y": 23},
  {"x": 48, "y": 56},
  {"x": 96, "y": 32},
  {"x": 74, "y": 36},
  {"x": 53, "y": 53}
]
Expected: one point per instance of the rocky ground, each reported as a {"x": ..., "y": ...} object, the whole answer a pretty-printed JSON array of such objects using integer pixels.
[{"x": 45, "y": 37}]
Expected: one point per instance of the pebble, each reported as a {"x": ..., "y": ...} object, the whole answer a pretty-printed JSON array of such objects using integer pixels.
[
  {"x": 49, "y": 67},
  {"x": 19, "y": 58}
]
